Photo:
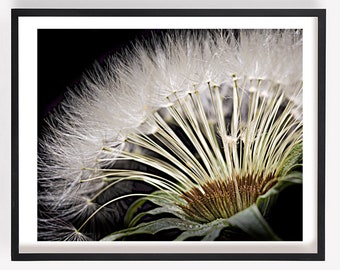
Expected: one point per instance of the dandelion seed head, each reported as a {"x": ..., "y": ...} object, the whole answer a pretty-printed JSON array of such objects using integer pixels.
[{"x": 218, "y": 113}]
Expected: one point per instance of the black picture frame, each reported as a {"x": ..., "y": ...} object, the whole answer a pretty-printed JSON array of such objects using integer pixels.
[{"x": 319, "y": 14}]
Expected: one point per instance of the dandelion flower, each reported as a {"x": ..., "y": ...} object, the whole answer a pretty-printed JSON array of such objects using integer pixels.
[{"x": 210, "y": 121}]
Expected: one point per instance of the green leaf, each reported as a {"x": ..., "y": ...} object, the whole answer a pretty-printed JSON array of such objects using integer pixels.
[{"x": 252, "y": 222}]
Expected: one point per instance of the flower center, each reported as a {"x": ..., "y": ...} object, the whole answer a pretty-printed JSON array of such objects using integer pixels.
[{"x": 223, "y": 199}]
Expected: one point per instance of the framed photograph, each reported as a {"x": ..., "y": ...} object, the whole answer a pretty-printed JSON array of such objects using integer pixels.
[{"x": 168, "y": 134}]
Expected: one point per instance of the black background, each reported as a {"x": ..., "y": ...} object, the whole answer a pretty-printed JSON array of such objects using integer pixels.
[{"x": 65, "y": 54}]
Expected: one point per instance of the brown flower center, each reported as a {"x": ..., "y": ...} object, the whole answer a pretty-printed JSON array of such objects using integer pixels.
[{"x": 223, "y": 199}]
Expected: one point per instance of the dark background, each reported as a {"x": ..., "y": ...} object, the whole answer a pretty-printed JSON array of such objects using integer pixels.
[{"x": 65, "y": 54}]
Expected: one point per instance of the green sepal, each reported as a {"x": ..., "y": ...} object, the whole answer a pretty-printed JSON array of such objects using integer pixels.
[
  {"x": 292, "y": 161},
  {"x": 152, "y": 227},
  {"x": 253, "y": 224},
  {"x": 209, "y": 231},
  {"x": 266, "y": 201},
  {"x": 250, "y": 221},
  {"x": 159, "y": 198},
  {"x": 137, "y": 204}
]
